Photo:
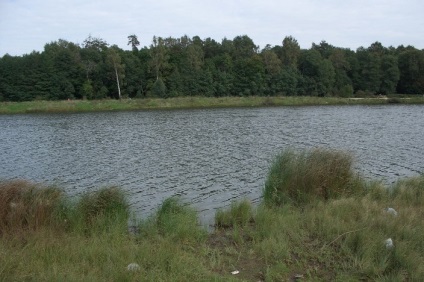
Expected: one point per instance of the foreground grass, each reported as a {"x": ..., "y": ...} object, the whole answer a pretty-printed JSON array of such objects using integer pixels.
[
  {"x": 188, "y": 102},
  {"x": 337, "y": 238}
]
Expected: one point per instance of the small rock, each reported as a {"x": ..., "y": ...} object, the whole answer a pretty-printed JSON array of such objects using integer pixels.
[
  {"x": 235, "y": 272},
  {"x": 297, "y": 277},
  {"x": 389, "y": 243},
  {"x": 133, "y": 267},
  {"x": 392, "y": 211}
]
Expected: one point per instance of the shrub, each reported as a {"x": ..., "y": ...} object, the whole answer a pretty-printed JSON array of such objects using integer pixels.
[{"x": 298, "y": 178}]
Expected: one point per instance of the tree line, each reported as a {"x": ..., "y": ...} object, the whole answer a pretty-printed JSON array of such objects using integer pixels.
[{"x": 185, "y": 66}]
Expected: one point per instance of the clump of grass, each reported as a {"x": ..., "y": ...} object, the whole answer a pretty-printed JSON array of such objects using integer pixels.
[
  {"x": 300, "y": 177},
  {"x": 357, "y": 227},
  {"x": 410, "y": 190},
  {"x": 100, "y": 211},
  {"x": 25, "y": 206},
  {"x": 239, "y": 214},
  {"x": 174, "y": 220}
]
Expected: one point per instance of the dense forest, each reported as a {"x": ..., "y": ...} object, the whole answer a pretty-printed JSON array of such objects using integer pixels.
[{"x": 187, "y": 66}]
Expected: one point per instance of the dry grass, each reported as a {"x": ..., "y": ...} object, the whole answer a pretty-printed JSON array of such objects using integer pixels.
[{"x": 26, "y": 206}]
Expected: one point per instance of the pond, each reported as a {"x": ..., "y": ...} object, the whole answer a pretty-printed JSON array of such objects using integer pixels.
[{"x": 209, "y": 157}]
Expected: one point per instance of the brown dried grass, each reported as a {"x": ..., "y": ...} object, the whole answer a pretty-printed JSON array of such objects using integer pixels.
[{"x": 26, "y": 206}]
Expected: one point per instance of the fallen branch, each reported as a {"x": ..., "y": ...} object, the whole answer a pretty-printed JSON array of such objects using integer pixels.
[{"x": 341, "y": 235}]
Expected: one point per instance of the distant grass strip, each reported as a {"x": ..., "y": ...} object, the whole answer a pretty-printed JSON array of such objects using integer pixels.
[{"x": 188, "y": 103}]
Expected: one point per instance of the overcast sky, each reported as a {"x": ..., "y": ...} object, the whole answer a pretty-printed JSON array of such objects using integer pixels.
[{"x": 27, "y": 25}]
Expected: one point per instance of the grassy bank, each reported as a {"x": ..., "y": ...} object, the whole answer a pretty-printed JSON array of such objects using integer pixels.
[
  {"x": 319, "y": 222},
  {"x": 187, "y": 103}
]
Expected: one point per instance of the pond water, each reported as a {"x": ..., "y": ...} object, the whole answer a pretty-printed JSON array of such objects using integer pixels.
[{"x": 209, "y": 157}]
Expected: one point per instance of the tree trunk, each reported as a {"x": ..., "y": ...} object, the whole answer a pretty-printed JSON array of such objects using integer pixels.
[{"x": 117, "y": 82}]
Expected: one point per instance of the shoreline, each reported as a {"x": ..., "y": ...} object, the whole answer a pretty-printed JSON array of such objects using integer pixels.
[{"x": 198, "y": 102}]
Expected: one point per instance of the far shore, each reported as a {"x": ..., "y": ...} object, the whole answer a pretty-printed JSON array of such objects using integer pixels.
[{"x": 71, "y": 106}]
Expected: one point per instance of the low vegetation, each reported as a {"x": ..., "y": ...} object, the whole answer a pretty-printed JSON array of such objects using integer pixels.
[
  {"x": 303, "y": 177},
  {"x": 319, "y": 221},
  {"x": 191, "y": 102}
]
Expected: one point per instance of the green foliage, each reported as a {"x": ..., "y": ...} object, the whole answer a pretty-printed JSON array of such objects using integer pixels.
[
  {"x": 390, "y": 75},
  {"x": 239, "y": 214},
  {"x": 345, "y": 91},
  {"x": 319, "y": 74},
  {"x": 299, "y": 178},
  {"x": 290, "y": 52},
  {"x": 159, "y": 89},
  {"x": 411, "y": 67},
  {"x": 195, "y": 67},
  {"x": 176, "y": 221},
  {"x": 105, "y": 210},
  {"x": 87, "y": 90}
]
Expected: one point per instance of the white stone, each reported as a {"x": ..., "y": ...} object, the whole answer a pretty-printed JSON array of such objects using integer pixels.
[
  {"x": 392, "y": 211},
  {"x": 133, "y": 267},
  {"x": 389, "y": 243}
]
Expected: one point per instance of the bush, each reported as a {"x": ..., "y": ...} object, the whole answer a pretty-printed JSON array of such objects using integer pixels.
[{"x": 298, "y": 178}]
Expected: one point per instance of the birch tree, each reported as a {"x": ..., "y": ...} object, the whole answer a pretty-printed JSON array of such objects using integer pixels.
[{"x": 114, "y": 60}]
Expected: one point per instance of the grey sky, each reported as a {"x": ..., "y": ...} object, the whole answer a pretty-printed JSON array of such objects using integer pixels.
[{"x": 27, "y": 25}]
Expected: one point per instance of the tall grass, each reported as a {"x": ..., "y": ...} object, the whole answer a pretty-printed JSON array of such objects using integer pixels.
[
  {"x": 176, "y": 221},
  {"x": 27, "y": 207},
  {"x": 239, "y": 214},
  {"x": 334, "y": 235},
  {"x": 300, "y": 177},
  {"x": 104, "y": 210}
]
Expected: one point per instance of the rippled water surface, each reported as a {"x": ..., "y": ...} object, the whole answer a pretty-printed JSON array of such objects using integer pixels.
[{"x": 209, "y": 157}]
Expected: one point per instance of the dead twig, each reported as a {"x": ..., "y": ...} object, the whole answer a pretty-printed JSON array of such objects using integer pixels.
[{"x": 341, "y": 235}]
